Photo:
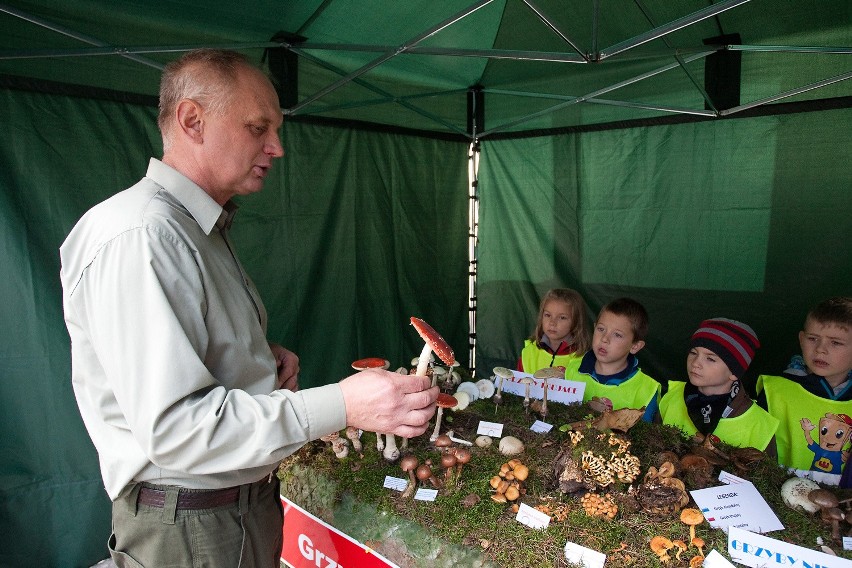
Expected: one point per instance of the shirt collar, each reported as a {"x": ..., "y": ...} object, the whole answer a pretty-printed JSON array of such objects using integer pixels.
[{"x": 203, "y": 208}]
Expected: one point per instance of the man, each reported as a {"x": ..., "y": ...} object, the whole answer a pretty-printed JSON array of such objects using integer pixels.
[{"x": 189, "y": 407}]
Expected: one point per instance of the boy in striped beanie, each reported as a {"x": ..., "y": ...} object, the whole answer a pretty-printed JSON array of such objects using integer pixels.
[{"x": 713, "y": 402}]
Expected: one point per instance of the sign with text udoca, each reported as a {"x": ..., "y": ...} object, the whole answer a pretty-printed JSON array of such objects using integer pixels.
[{"x": 309, "y": 542}]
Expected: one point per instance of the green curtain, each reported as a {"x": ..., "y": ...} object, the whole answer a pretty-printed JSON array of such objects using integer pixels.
[
  {"x": 746, "y": 219},
  {"x": 354, "y": 233}
]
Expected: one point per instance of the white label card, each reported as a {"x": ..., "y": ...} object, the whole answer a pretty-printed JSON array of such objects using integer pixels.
[
  {"x": 541, "y": 427},
  {"x": 426, "y": 494},
  {"x": 738, "y": 505},
  {"x": 395, "y": 483},
  {"x": 558, "y": 390},
  {"x": 847, "y": 543},
  {"x": 716, "y": 560},
  {"x": 492, "y": 429},
  {"x": 760, "y": 551},
  {"x": 533, "y": 518},
  {"x": 585, "y": 557},
  {"x": 730, "y": 478}
]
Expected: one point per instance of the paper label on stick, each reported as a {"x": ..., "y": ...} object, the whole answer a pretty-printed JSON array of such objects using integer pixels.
[
  {"x": 533, "y": 518},
  {"x": 558, "y": 390},
  {"x": 585, "y": 557},
  {"x": 493, "y": 429},
  {"x": 738, "y": 505}
]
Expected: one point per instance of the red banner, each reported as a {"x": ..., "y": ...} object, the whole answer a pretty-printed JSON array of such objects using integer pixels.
[{"x": 311, "y": 543}]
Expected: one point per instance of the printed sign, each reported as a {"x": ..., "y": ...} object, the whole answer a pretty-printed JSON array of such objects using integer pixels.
[
  {"x": 310, "y": 542},
  {"x": 737, "y": 505},
  {"x": 585, "y": 557},
  {"x": 760, "y": 551},
  {"x": 558, "y": 390}
]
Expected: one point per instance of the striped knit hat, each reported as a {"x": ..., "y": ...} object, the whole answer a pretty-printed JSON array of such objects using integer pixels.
[{"x": 733, "y": 341}]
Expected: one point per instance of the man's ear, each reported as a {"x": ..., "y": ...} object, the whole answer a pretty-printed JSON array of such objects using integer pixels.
[
  {"x": 636, "y": 347},
  {"x": 189, "y": 120}
]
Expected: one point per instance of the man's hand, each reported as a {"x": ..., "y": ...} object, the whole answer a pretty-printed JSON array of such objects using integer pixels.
[
  {"x": 287, "y": 364},
  {"x": 383, "y": 401}
]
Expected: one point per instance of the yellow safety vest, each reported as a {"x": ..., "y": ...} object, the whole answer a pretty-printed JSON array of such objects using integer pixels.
[
  {"x": 753, "y": 428},
  {"x": 636, "y": 392},
  {"x": 791, "y": 403},
  {"x": 534, "y": 358}
]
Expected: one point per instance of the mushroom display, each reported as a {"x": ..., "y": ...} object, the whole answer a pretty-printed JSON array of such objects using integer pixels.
[
  {"x": 545, "y": 375},
  {"x": 692, "y": 518},
  {"x": 661, "y": 545},
  {"x": 433, "y": 343},
  {"x": 444, "y": 401},
  {"x": 510, "y": 446},
  {"x": 508, "y": 483},
  {"x": 501, "y": 374},
  {"x": 794, "y": 494},
  {"x": 597, "y": 505},
  {"x": 408, "y": 464}
]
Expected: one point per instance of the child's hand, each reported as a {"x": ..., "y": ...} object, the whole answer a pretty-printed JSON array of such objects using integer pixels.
[{"x": 806, "y": 424}]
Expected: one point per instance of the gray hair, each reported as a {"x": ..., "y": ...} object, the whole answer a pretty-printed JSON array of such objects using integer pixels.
[{"x": 207, "y": 76}]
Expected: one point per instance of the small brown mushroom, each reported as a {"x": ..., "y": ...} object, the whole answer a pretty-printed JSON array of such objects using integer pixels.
[
  {"x": 681, "y": 548},
  {"x": 698, "y": 543},
  {"x": 408, "y": 464},
  {"x": 448, "y": 462},
  {"x": 696, "y": 561},
  {"x": 692, "y": 518},
  {"x": 424, "y": 473},
  {"x": 463, "y": 456},
  {"x": 660, "y": 545},
  {"x": 443, "y": 442}
]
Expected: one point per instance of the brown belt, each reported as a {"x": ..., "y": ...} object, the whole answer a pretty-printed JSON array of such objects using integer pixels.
[{"x": 190, "y": 500}]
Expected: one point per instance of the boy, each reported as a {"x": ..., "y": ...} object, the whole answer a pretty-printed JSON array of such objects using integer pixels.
[
  {"x": 813, "y": 398},
  {"x": 714, "y": 402},
  {"x": 610, "y": 369}
]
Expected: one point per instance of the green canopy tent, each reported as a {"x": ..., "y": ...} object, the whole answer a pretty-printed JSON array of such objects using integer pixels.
[{"x": 451, "y": 160}]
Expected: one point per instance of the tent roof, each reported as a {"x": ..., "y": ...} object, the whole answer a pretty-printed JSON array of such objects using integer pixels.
[{"x": 539, "y": 63}]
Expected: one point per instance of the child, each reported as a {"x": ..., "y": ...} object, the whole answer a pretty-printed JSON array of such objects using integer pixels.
[
  {"x": 610, "y": 369},
  {"x": 714, "y": 402},
  {"x": 561, "y": 332},
  {"x": 813, "y": 398}
]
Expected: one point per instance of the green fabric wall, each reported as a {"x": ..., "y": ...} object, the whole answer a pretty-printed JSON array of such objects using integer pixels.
[
  {"x": 354, "y": 233},
  {"x": 747, "y": 219}
]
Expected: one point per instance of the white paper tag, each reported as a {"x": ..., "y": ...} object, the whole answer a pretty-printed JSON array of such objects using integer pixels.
[
  {"x": 740, "y": 505},
  {"x": 426, "y": 494},
  {"x": 730, "y": 478},
  {"x": 847, "y": 543},
  {"x": 585, "y": 557},
  {"x": 541, "y": 427},
  {"x": 395, "y": 483},
  {"x": 492, "y": 429},
  {"x": 716, "y": 560},
  {"x": 760, "y": 551},
  {"x": 533, "y": 518}
]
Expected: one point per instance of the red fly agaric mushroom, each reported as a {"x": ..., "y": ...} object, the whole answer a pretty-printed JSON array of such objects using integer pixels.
[
  {"x": 444, "y": 401},
  {"x": 434, "y": 342}
]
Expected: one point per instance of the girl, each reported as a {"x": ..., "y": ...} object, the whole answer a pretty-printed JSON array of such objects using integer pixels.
[{"x": 561, "y": 332}]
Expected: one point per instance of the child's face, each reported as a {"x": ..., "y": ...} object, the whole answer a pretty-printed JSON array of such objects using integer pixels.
[
  {"x": 613, "y": 338},
  {"x": 827, "y": 350},
  {"x": 708, "y": 372},
  {"x": 556, "y": 321}
]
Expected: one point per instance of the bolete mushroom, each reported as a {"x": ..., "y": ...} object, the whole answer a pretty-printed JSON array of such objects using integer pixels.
[
  {"x": 444, "y": 401},
  {"x": 501, "y": 374},
  {"x": 692, "y": 518},
  {"x": 408, "y": 464},
  {"x": 433, "y": 343}
]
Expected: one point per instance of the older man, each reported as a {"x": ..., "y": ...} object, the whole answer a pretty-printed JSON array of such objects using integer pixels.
[{"x": 189, "y": 407}]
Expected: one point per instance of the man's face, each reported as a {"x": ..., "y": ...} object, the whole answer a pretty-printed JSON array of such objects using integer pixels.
[
  {"x": 827, "y": 350},
  {"x": 240, "y": 143}
]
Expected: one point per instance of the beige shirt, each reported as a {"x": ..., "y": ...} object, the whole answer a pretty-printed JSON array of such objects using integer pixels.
[{"x": 170, "y": 364}]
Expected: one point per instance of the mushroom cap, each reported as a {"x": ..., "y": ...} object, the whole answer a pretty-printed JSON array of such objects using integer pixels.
[
  {"x": 448, "y": 460},
  {"x": 521, "y": 472},
  {"x": 510, "y": 446},
  {"x": 423, "y": 472},
  {"x": 470, "y": 388},
  {"x": 446, "y": 401},
  {"x": 462, "y": 400},
  {"x": 463, "y": 455},
  {"x": 370, "y": 363},
  {"x": 696, "y": 561},
  {"x": 832, "y": 514},
  {"x": 503, "y": 372},
  {"x": 698, "y": 542},
  {"x": 441, "y": 348},
  {"x": 485, "y": 387},
  {"x": 527, "y": 380},
  {"x": 512, "y": 493},
  {"x": 443, "y": 441},
  {"x": 550, "y": 373},
  {"x": 794, "y": 493},
  {"x": 692, "y": 517},
  {"x": 824, "y": 498},
  {"x": 483, "y": 441},
  {"x": 660, "y": 544},
  {"x": 409, "y": 462}
]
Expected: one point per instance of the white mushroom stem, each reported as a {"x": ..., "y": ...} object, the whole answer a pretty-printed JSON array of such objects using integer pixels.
[
  {"x": 458, "y": 440},
  {"x": 423, "y": 363},
  {"x": 380, "y": 442},
  {"x": 437, "y": 429},
  {"x": 391, "y": 452},
  {"x": 404, "y": 444},
  {"x": 498, "y": 397},
  {"x": 527, "y": 395},
  {"x": 544, "y": 400}
]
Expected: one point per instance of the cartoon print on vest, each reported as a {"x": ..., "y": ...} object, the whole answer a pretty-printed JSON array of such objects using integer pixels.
[{"x": 834, "y": 431}]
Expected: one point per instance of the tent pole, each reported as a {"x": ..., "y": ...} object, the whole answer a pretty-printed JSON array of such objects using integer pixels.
[{"x": 473, "y": 241}]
